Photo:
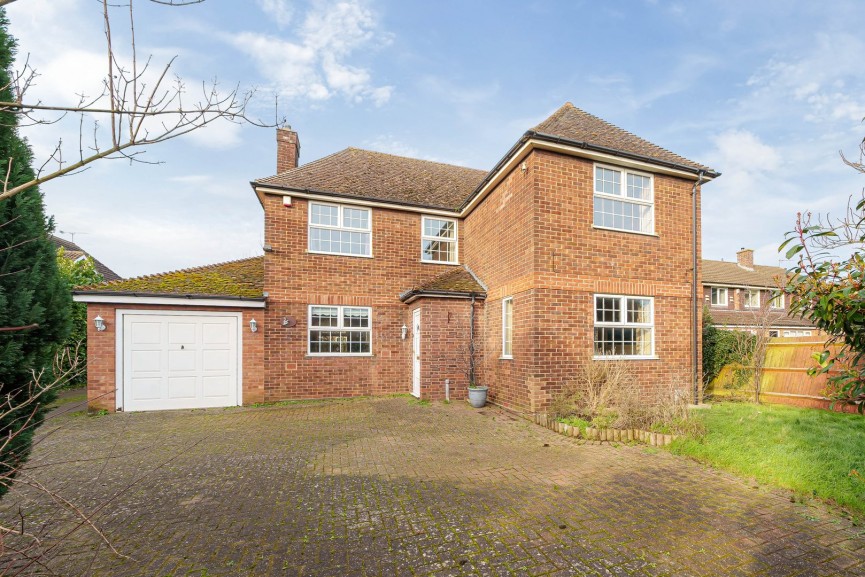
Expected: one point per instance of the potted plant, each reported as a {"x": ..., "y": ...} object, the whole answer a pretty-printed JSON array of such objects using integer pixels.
[{"x": 477, "y": 395}]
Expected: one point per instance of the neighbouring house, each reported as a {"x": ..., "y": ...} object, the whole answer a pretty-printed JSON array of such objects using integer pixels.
[
  {"x": 75, "y": 253},
  {"x": 744, "y": 296},
  {"x": 383, "y": 274}
]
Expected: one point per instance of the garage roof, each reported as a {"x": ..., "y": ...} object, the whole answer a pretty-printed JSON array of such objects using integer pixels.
[{"x": 238, "y": 279}]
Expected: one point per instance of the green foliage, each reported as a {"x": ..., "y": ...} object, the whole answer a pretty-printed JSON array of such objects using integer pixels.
[
  {"x": 31, "y": 290},
  {"x": 723, "y": 347},
  {"x": 829, "y": 291},
  {"x": 810, "y": 451},
  {"x": 78, "y": 273}
]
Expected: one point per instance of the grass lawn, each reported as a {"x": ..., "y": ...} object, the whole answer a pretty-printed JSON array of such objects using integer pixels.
[{"x": 813, "y": 452}]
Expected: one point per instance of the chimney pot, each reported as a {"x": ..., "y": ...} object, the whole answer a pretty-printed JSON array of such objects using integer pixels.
[
  {"x": 287, "y": 149},
  {"x": 745, "y": 258}
]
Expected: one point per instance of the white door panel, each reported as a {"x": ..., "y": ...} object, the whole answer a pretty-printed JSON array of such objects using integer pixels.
[{"x": 179, "y": 361}]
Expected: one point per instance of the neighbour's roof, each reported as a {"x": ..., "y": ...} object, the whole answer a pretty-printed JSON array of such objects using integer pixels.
[
  {"x": 456, "y": 282},
  {"x": 238, "y": 278},
  {"x": 378, "y": 176},
  {"x": 749, "y": 318},
  {"x": 721, "y": 272},
  {"x": 74, "y": 252},
  {"x": 571, "y": 123}
]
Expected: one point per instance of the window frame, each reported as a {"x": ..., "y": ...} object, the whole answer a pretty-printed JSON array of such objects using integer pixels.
[
  {"x": 341, "y": 227},
  {"x": 339, "y": 327},
  {"x": 624, "y": 171},
  {"x": 424, "y": 237},
  {"x": 712, "y": 302},
  {"x": 748, "y": 292},
  {"x": 778, "y": 298},
  {"x": 507, "y": 335},
  {"x": 623, "y": 300}
]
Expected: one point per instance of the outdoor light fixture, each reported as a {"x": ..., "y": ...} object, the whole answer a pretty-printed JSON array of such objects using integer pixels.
[
  {"x": 253, "y": 325},
  {"x": 404, "y": 331},
  {"x": 99, "y": 323}
]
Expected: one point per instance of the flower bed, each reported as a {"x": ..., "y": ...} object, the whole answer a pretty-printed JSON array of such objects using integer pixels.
[{"x": 605, "y": 435}]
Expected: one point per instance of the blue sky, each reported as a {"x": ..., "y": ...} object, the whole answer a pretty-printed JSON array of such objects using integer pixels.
[{"x": 766, "y": 92}]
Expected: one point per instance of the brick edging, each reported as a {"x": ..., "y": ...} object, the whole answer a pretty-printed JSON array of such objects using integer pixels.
[{"x": 606, "y": 435}]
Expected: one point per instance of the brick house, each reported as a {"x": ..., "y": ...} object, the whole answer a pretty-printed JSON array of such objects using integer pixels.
[
  {"x": 383, "y": 274},
  {"x": 743, "y": 296}
]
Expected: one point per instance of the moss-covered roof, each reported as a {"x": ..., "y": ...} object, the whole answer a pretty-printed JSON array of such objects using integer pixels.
[{"x": 238, "y": 278}]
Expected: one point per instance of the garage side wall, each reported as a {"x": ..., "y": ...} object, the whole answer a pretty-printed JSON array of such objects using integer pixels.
[{"x": 102, "y": 352}]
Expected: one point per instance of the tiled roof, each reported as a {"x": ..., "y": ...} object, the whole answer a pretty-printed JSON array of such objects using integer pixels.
[
  {"x": 748, "y": 318},
  {"x": 458, "y": 281},
  {"x": 73, "y": 251},
  {"x": 378, "y": 176},
  {"x": 571, "y": 123},
  {"x": 721, "y": 272},
  {"x": 238, "y": 278}
]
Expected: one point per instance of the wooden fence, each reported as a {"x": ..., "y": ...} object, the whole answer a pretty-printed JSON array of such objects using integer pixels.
[{"x": 785, "y": 377}]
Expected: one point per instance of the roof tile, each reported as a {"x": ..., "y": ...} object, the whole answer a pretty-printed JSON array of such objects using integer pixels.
[{"x": 722, "y": 272}]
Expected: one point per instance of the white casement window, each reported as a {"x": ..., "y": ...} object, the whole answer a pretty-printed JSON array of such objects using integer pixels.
[
  {"x": 508, "y": 328},
  {"x": 777, "y": 301},
  {"x": 774, "y": 334},
  {"x": 797, "y": 333},
  {"x": 719, "y": 296},
  {"x": 624, "y": 326},
  {"x": 752, "y": 298},
  {"x": 624, "y": 200},
  {"x": 339, "y": 229},
  {"x": 438, "y": 240},
  {"x": 339, "y": 330}
]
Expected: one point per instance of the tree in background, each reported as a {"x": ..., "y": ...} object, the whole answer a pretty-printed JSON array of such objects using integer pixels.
[
  {"x": 34, "y": 300},
  {"x": 828, "y": 289},
  {"x": 78, "y": 273}
]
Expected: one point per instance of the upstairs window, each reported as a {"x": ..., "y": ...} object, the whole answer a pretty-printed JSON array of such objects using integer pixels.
[
  {"x": 624, "y": 326},
  {"x": 719, "y": 296},
  {"x": 624, "y": 200},
  {"x": 340, "y": 330},
  {"x": 752, "y": 298},
  {"x": 777, "y": 301},
  {"x": 438, "y": 240},
  {"x": 338, "y": 229}
]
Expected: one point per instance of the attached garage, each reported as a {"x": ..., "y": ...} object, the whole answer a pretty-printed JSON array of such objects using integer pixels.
[{"x": 152, "y": 349}]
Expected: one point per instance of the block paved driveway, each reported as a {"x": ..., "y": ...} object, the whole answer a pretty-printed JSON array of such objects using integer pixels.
[{"x": 390, "y": 487}]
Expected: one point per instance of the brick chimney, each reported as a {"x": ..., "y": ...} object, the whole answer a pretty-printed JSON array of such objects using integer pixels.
[
  {"x": 287, "y": 149},
  {"x": 745, "y": 258}
]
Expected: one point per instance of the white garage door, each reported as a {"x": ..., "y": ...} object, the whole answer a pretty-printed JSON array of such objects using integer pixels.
[{"x": 179, "y": 361}]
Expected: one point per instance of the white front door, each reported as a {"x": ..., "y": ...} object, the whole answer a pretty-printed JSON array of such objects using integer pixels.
[
  {"x": 415, "y": 353},
  {"x": 179, "y": 361}
]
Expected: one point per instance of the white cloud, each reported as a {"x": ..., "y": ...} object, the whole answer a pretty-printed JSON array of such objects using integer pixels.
[
  {"x": 314, "y": 64},
  {"x": 281, "y": 12}
]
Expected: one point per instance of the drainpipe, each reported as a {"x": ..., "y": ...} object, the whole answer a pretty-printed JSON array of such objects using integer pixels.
[
  {"x": 472, "y": 343},
  {"x": 694, "y": 301}
]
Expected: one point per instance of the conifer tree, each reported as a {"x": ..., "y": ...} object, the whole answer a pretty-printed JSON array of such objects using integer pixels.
[{"x": 32, "y": 292}]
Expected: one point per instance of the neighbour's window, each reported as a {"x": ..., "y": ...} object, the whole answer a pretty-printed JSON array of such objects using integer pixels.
[
  {"x": 777, "y": 301},
  {"x": 438, "y": 240},
  {"x": 797, "y": 333},
  {"x": 338, "y": 229},
  {"x": 623, "y": 200},
  {"x": 508, "y": 328},
  {"x": 752, "y": 298},
  {"x": 773, "y": 334},
  {"x": 719, "y": 296},
  {"x": 624, "y": 326},
  {"x": 338, "y": 330}
]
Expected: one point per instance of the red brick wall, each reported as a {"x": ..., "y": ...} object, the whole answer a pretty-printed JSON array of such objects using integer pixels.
[
  {"x": 295, "y": 279},
  {"x": 102, "y": 359}
]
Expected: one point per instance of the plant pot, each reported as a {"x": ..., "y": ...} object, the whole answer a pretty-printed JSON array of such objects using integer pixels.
[{"x": 478, "y": 396}]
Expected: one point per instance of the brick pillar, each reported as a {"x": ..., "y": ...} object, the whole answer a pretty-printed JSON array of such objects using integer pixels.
[{"x": 287, "y": 149}]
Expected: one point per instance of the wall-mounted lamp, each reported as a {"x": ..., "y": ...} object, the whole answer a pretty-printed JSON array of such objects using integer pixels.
[
  {"x": 524, "y": 167},
  {"x": 99, "y": 323},
  {"x": 404, "y": 331},
  {"x": 253, "y": 325}
]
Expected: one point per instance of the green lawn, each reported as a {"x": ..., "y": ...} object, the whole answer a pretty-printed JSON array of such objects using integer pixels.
[{"x": 813, "y": 452}]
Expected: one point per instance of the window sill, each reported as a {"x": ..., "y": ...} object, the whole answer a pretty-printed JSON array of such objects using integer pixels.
[
  {"x": 339, "y": 254},
  {"x": 626, "y": 358},
  {"x": 422, "y": 261},
  {"x": 505, "y": 358},
  {"x": 653, "y": 234},
  {"x": 338, "y": 355}
]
